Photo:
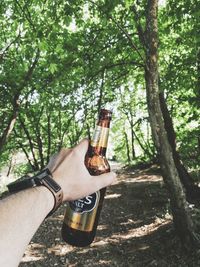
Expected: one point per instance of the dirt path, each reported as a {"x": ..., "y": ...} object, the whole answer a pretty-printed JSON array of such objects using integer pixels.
[{"x": 135, "y": 230}]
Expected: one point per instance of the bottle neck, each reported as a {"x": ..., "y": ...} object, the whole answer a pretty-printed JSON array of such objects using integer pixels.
[{"x": 99, "y": 141}]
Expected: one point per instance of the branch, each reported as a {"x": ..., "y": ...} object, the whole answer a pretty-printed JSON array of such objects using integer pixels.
[
  {"x": 31, "y": 145},
  {"x": 3, "y": 52},
  {"x": 25, "y": 15},
  {"x": 11, "y": 122},
  {"x": 129, "y": 38},
  {"x": 139, "y": 26},
  {"x": 21, "y": 145},
  {"x": 134, "y": 63},
  {"x": 32, "y": 67},
  {"x": 28, "y": 75},
  {"x": 123, "y": 30}
]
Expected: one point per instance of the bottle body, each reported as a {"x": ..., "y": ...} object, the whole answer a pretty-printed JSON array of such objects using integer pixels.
[{"x": 82, "y": 215}]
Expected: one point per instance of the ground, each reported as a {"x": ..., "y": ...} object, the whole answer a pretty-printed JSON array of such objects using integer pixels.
[{"x": 135, "y": 229}]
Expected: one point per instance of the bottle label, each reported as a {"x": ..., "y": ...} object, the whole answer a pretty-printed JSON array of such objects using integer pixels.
[
  {"x": 85, "y": 204},
  {"x": 100, "y": 136},
  {"x": 80, "y": 214}
]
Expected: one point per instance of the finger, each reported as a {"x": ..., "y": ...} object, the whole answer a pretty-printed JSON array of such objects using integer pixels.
[
  {"x": 57, "y": 159},
  {"x": 51, "y": 162},
  {"x": 82, "y": 147},
  {"x": 104, "y": 180}
]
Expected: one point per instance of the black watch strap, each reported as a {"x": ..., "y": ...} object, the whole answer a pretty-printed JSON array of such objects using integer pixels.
[{"x": 42, "y": 178}]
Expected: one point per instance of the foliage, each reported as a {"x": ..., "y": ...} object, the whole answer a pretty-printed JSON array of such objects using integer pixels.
[
  {"x": 62, "y": 60},
  {"x": 179, "y": 30}
]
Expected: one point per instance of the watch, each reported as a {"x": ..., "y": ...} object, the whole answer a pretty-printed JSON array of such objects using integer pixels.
[{"x": 42, "y": 178}]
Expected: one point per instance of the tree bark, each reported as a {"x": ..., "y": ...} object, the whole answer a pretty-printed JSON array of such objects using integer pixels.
[
  {"x": 48, "y": 136},
  {"x": 141, "y": 144},
  {"x": 39, "y": 139},
  {"x": 192, "y": 191},
  {"x": 132, "y": 144},
  {"x": 31, "y": 145},
  {"x": 11, "y": 121},
  {"x": 16, "y": 103},
  {"x": 21, "y": 145},
  {"x": 127, "y": 147},
  {"x": 132, "y": 139},
  {"x": 99, "y": 103},
  {"x": 181, "y": 215}
]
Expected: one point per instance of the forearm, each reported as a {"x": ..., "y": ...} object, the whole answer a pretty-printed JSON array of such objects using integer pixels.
[{"x": 21, "y": 213}]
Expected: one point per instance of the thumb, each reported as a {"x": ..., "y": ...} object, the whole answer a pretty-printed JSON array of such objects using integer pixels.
[{"x": 104, "y": 180}]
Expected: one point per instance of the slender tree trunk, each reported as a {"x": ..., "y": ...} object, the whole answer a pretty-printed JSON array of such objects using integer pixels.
[
  {"x": 36, "y": 165},
  {"x": 181, "y": 215},
  {"x": 191, "y": 189},
  {"x": 59, "y": 130},
  {"x": 11, "y": 122},
  {"x": 10, "y": 166},
  {"x": 127, "y": 147},
  {"x": 40, "y": 145},
  {"x": 16, "y": 102},
  {"x": 99, "y": 103},
  {"x": 49, "y": 136},
  {"x": 198, "y": 140},
  {"x": 197, "y": 90},
  {"x": 146, "y": 150},
  {"x": 132, "y": 141},
  {"x": 21, "y": 145}
]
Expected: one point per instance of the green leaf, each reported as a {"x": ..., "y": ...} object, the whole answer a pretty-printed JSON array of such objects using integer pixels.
[{"x": 53, "y": 68}]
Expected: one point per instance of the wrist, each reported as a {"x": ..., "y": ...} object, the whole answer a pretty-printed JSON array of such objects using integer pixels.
[
  {"x": 46, "y": 197},
  {"x": 45, "y": 179}
]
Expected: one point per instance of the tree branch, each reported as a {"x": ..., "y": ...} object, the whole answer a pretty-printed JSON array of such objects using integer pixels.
[
  {"x": 129, "y": 39},
  {"x": 139, "y": 26},
  {"x": 134, "y": 63},
  {"x": 25, "y": 15},
  {"x": 3, "y": 52}
]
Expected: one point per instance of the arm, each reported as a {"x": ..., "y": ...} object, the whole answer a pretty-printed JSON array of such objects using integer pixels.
[{"x": 21, "y": 214}]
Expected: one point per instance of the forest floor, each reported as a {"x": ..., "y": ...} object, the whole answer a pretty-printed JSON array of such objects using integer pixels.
[{"x": 135, "y": 230}]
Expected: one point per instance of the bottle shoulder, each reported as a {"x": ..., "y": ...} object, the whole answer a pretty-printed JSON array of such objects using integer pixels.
[{"x": 97, "y": 164}]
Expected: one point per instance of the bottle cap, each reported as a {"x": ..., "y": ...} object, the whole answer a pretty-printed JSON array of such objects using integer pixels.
[{"x": 105, "y": 114}]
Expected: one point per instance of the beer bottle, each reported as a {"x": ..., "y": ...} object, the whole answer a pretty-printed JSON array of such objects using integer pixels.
[{"x": 82, "y": 215}]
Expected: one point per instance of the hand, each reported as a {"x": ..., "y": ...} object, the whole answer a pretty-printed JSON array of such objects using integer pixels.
[{"x": 69, "y": 171}]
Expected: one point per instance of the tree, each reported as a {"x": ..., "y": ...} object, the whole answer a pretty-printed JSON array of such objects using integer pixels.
[
  {"x": 146, "y": 52},
  {"x": 179, "y": 78},
  {"x": 181, "y": 214},
  {"x": 61, "y": 61}
]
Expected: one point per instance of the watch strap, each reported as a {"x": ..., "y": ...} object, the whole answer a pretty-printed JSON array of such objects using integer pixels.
[{"x": 43, "y": 178}]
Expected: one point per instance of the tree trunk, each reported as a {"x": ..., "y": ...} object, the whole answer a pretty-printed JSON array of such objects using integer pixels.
[
  {"x": 99, "y": 103},
  {"x": 127, "y": 147},
  {"x": 48, "y": 136},
  {"x": 192, "y": 191},
  {"x": 31, "y": 145},
  {"x": 11, "y": 122},
  {"x": 16, "y": 102},
  {"x": 21, "y": 145},
  {"x": 181, "y": 215},
  {"x": 141, "y": 144},
  {"x": 39, "y": 145},
  {"x": 132, "y": 141}
]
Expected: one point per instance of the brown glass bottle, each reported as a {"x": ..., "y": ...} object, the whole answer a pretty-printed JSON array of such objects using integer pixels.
[{"x": 81, "y": 216}]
